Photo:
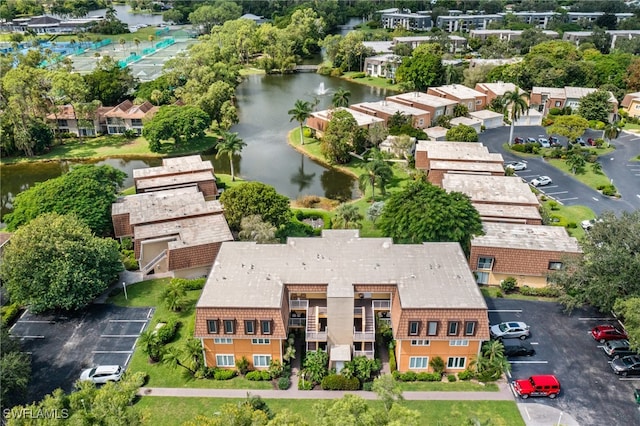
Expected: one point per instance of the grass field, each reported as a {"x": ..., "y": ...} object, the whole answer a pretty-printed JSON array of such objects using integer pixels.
[
  {"x": 567, "y": 215},
  {"x": 459, "y": 386},
  {"x": 380, "y": 82},
  {"x": 589, "y": 178},
  {"x": 167, "y": 411}
]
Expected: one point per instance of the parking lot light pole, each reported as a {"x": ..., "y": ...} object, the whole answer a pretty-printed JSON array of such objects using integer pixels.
[{"x": 124, "y": 286}]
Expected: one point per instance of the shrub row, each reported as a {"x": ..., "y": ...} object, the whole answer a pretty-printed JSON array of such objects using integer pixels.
[
  {"x": 167, "y": 332},
  {"x": 220, "y": 374},
  {"x": 258, "y": 376},
  {"x": 283, "y": 383},
  {"x": 531, "y": 148},
  {"x": 10, "y": 313},
  {"x": 392, "y": 357},
  {"x": 195, "y": 284},
  {"x": 465, "y": 375},
  {"x": 542, "y": 291},
  {"x": 411, "y": 376},
  {"x": 339, "y": 382}
]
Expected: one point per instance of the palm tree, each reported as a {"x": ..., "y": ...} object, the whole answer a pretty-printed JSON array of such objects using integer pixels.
[
  {"x": 515, "y": 101},
  {"x": 122, "y": 42},
  {"x": 150, "y": 345},
  {"x": 300, "y": 112},
  {"x": 137, "y": 43},
  {"x": 378, "y": 173},
  {"x": 230, "y": 144},
  {"x": 151, "y": 38},
  {"x": 612, "y": 130},
  {"x": 347, "y": 216},
  {"x": 341, "y": 98}
]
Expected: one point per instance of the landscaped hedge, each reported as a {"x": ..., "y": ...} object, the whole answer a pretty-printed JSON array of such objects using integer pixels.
[
  {"x": 465, "y": 375},
  {"x": 339, "y": 382},
  {"x": 392, "y": 357},
  {"x": 411, "y": 376},
  {"x": 542, "y": 291},
  {"x": 220, "y": 374},
  {"x": 10, "y": 313},
  {"x": 167, "y": 332},
  {"x": 195, "y": 284},
  {"x": 283, "y": 383},
  {"x": 257, "y": 376}
]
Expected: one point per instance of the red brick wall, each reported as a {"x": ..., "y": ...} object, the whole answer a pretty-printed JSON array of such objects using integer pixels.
[
  {"x": 306, "y": 288},
  {"x": 422, "y": 160},
  {"x": 443, "y": 316},
  {"x": 516, "y": 261},
  {"x": 278, "y": 331},
  {"x": 189, "y": 257},
  {"x": 121, "y": 225},
  {"x": 208, "y": 188}
]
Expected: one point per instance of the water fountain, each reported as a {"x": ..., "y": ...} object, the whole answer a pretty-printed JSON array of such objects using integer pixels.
[{"x": 321, "y": 90}]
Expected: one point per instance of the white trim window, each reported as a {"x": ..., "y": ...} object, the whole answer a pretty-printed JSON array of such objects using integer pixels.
[
  {"x": 418, "y": 362},
  {"x": 460, "y": 342},
  {"x": 420, "y": 342},
  {"x": 482, "y": 277},
  {"x": 225, "y": 360},
  {"x": 261, "y": 360},
  {"x": 485, "y": 262},
  {"x": 456, "y": 362},
  {"x": 260, "y": 341},
  {"x": 223, "y": 340}
]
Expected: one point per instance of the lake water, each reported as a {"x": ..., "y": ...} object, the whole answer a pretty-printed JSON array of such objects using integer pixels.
[{"x": 263, "y": 102}]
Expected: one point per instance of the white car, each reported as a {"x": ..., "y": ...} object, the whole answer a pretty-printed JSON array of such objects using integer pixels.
[
  {"x": 102, "y": 374},
  {"x": 588, "y": 224},
  {"x": 544, "y": 142},
  {"x": 510, "y": 330},
  {"x": 541, "y": 181},
  {"x": 517, "y": 165}
]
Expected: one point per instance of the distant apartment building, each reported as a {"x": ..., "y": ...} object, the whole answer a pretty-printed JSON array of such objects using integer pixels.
[
  {"x": 384, "y": 109},
  {"x": 631, "y": 103},
  {"x": 177, "y": 172},
  {"x": 496, "y": 90},
  {"x": 336, "y": 288},
  {"x": 456, "y": 43},
  {"x": 528, "y": 253},
  {"x": 545, "y": 98},
  {"x": 127, "y": 116},
  {"x": 537, "y": 19},
  {"x": 578, "y": 37},
  {"x": 406, "y": 20},
  {"x": 506, "y": 35},
  {"x": 382, "y": 65},
  {"x": 466, "y": 23},
  {"x": 318, "y": 121},
  {"x": 45, "y": 24},
  {"x": 436, "y": 106},
  {"x": 463, "y": 95}
]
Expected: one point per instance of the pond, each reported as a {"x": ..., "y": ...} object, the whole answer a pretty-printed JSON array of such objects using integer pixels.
[{"x": 263, "y": 102}]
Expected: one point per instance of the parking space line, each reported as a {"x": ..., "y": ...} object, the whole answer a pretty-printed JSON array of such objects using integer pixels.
[
  {"x": 529, "y": 362},
  {"x": 526, "y": 411},
  {"x": 534, "y": 343},
  {"x": 38, "y": 321},
  {"x": 126, "y": 363},
  {"x": 128, "y": 320},
  {"x": 119, "y": 335},
  {"x": 142, "y": 328},
  {"x": 31, "y": 337},
  {"x": 628, "y": 378},
  {"x": 150, "y": 313},
  {"x": 111, "y": 352},
  {"x": 559, "y": 192},
  {"x": 596, "y": 319},
  {"x": 505, "y": 310},
  {"x": 567, "y": 199}
]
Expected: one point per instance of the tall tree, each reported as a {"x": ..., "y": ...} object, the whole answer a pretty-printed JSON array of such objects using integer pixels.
[
  {"x": 255, "y": 198},
  {"x": 15, "y": 370},
  {"x": 571, "y": 126},
  {"x": 341, "y": 98},
  {"x": 300, "y": 112},
  {"x": 424, "y": 212},
  {"x": 341, "y": 136},
  {"x": 108, "y": 83},
  {"x": 252, "y": 228},
  {"x": 230, "y": 144},
  {"x": 596, "y": 106},
  {"x": 378, "y": 173},
  {"x": 347, "y": 216},
  {"x": 462, "y": 133},
  {"x": 516, "y": 103},
  {"x": 610, "y": 266},
  {"x": 55, "y": 262},
  {"x": 421, "y": 70}
]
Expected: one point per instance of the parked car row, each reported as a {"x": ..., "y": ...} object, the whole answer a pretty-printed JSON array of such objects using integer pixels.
[
  {"x": 625, "y": 361},
  {"x": 542, "y": 140}
]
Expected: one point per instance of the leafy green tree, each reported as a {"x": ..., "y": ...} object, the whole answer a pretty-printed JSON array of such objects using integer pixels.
[
  {"x": 300, "y": 112},
  {"x": 575, "y": 160},
  {"x": 15, "y": 370},
  {"x": 207, "y": 16},
  {"x": 632, "y": 78},
  {"x": 460, "y": 110},
  {"x": 377, "y": 173},
  {"x": 108, "y": 83},
  {"x": 347, "y": 216},
  {"x": 612, "y": 130},
  {"x": 462, "y": 133},
  {"x": 388, "y": 390},
  {"x": 629, "y": 310},
  {"x": 189, "y": 356},
  {"x": 424, "y": 212},
  {"x": 180, "y": 123},
  {"x": 341, "y": 98},
  {"x": 596, "y": 106},
  {"x": 55, "y": 262},
  {"x": 255, "y": 198},
  {"x": 87, "y": 191},
  {"x": 342, "y": 136},
  {"x": 571, "y": 126},
  {"x": 421, "y": 71},
  {"x": 252, "y": 228},
  {"x": 609, "y": 267},
  {"x": 151, "y": 345},
  {"x": 515, "y": 102},
  {"x": 230, "y": 144},
  {"x": 174, "y": 296},
  {"x": 315, "y": 366},
  {"x": 375, "y": 211},
  {"x": 491, "y": 362}
]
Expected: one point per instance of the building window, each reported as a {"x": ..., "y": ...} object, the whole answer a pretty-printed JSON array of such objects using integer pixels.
[
  {"x": 225, "y": 361},
  {"x": 414, "y": 328},
  {"x": 63, "y": 123},
  {"x": 432, "y": 328},
  {"x": 265, "y": 326},
  {"x": 250, "y": 327},
  {"x": 456, "y": 362},
  {"x": 421, "y": 122},
  {"x": 555, "y": 265},
  {"x": 452, "y": 328},
  {"x": 558, "y": 103},
  {"x": 459, "y": 342},
  {"x": 261, "y": 360},
  {"x": 482, "y": 277},
  {"x": 229, "y": 326},
  {"x": 418, "y": 362},
  {"x": 485, "y": 263},
  {"x": 420, "y": 342},
  {"x": 470, "y": 328},
  {"x": 212, "y": 326},
  {"x": 223, "y": 340},
  {"x": 260, "y": 341},
  {"x": 478, "y": 102}
]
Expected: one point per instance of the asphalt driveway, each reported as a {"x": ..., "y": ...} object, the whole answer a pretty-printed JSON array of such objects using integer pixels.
[
  {"x": 63, "y": 345},
  {"x": 565, "y": 188},
  {"x": 591, "y": 393}
]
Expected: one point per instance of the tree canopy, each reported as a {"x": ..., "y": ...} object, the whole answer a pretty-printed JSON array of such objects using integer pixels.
[
  {"x": 610, "y": 267},
  {"x": 421, "y": 70},
  {"x": 254, "y": 198},
  {"x": 87, "y": 191},
  {"x": 462, "y": 133},
  {"x": 424, "y": 212},
  {"x": 341, "y": 136},
  {"x": 108, "y": 83},
  {"x": 55, "y": 262},
  {"x": 15, "y": 370},
  {"x": 571, "y": 126},
  {"x": 182, "y": 123},
  {"x": 595, "y": 106}
]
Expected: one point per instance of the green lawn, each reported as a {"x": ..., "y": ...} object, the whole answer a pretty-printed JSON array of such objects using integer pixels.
[
  {"x": 459, "y": 386},
  {"x": 566, "y": 215},
  {"x": 589, "y": 178},
  {"x": 492, "y": 292},
  {"x": 380, "y": 82},
  {"x": 115, "y": 146},
  {"x": 436, "y": 413},
  {"x": 147, "y": 293}
]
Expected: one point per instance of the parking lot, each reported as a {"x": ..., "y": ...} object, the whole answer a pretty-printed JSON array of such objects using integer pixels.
[
  {"x": 63, "y": 345},
  {"x": 591, "y": 392}
]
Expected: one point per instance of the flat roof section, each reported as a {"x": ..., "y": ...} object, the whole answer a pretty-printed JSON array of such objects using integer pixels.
[
  {"x": 172, "y": 180},
  {"x": 466, "y": 166},
  {"x": 499, "y": 88},
  {"x": 429, "y": 275},
  {"x": 507, "y": 211},
  {"x": 485, "y": 114},
  {"x": 424, "y": 99},
  {"x": 491, "y": 189},
  {"x": 462, "y": 151},
  {"x": 361, "y": 118},
  {"x": 459, "y": 91},
  {"x": 175, "y": 165},
  {"x": 391, "y": 108},
  {"x": 527, "y": 237},
  {"x": 192, "y": 231}
]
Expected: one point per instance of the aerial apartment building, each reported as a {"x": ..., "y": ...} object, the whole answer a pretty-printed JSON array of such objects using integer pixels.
[
  {"x": 466, "y": 23},
  {"x": 384, "y": 109},
  {"x": 177, "y": 172},
  {"x": 436, "y": 106},
  {"x": 545, "y": 98},
  {"x": 461, "y": 94},
  {"x": 406, "y": 20},
  {"x": 337, "y": 288},
  {"x": 318, "y": 121}
]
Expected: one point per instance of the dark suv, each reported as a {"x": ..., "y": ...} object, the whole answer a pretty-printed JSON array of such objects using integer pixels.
[
  {"x": 617, "y": 348},
  {"x": 517, "y": 348}
]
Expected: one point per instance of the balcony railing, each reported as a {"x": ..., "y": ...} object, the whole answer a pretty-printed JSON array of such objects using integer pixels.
[
  {"x": 297, "y": 322},
  {"x": 298, "y": 304},
  {"x": 149, "y": 266},
  {"x": 368, "y": 354},
  {"x": 361, "y": 336},
  {"x": 381, "y": 304},
  {"x": 319, "y": 336}
]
